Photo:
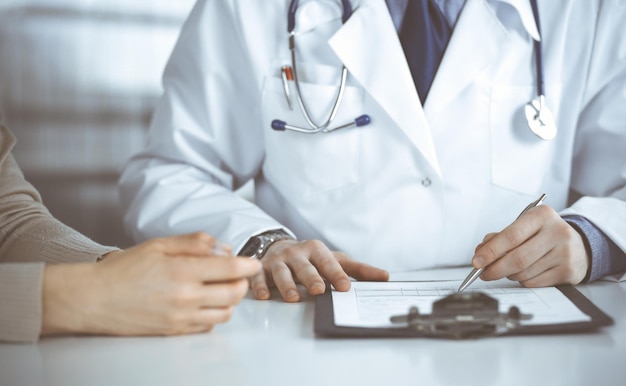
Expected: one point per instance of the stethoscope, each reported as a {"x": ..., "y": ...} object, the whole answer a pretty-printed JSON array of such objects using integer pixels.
[
  {"x": 288, "y": 74},
  {"x": 539, "y": 118}
]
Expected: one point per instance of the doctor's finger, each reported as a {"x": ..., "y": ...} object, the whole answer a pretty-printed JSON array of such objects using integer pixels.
[
  {"x": 566, "y": 267},
  {"x": 259, "y": 286},
  {"x": 546, "y": 278},
  {"x": 328, "y": 266},
  {"x": 508, "y": 239},
  {"x": 487, "y": 237},
  {"x": 307, "y": 273},
  {"x": 557, "y": 275},
  {"x": 546, "y": 263},
  {"x": 361, "y": 271},
  {"x": 518, "y": 259},
  {"x": 284, "y": 281},
  {"x": 537, "y": 255}
]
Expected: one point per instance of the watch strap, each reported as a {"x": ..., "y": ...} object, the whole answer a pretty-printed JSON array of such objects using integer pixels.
[{"x": 257, "y": 246}]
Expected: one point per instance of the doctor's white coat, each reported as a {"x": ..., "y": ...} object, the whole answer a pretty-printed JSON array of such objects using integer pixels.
[{"x": 418, "y": 187}]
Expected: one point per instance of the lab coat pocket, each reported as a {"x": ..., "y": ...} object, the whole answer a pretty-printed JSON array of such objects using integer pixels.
[
  {"x": 520, "y": 159},
  {"x": 300, "y": 164}
]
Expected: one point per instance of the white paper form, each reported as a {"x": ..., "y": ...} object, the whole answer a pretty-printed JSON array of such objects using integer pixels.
[{"x": 371, "y": 304}]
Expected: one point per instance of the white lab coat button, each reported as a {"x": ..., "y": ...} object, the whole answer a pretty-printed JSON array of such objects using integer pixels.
[{"x": 426, "y": 182}]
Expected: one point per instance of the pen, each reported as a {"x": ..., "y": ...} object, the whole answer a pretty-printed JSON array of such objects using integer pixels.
[
  {"x": 287, "y": 75},
  {"x": 477, "y": 271}
]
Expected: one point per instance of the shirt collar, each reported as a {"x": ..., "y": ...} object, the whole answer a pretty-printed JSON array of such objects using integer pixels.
[{"x": 523, "y": 8}]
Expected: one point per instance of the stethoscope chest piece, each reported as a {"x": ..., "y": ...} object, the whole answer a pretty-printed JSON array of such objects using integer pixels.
[{"x": 540, "y": 119}]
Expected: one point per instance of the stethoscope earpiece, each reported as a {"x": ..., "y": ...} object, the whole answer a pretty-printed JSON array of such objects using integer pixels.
[{"x": 362, "y": 120}]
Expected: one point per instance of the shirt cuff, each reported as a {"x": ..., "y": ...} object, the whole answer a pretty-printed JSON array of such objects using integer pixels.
[{"x": 606, "y": 257}]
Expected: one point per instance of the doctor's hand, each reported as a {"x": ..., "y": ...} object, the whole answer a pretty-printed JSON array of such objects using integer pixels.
[
  {"x": 539, "y": 249},
  {"x": 309, "y": 263}
]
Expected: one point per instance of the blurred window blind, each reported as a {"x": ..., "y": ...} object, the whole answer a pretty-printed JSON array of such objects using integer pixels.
[{"x": 78, "y": 82}]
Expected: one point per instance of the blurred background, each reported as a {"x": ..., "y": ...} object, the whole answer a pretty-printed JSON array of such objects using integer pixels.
[{"x": 78, "y": 82}]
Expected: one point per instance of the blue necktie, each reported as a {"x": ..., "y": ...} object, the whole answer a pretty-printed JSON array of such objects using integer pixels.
[{"x": 424, "y": 35}]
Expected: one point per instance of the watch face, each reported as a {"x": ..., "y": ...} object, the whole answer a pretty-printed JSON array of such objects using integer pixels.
[{"x": 252, "y": 247}]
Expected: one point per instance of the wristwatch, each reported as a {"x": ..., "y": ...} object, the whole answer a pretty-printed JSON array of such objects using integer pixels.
[{"x": 258, "y": 245}]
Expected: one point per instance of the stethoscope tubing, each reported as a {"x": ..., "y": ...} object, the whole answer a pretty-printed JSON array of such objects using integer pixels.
[
  {"x": 303, "y": 108},
  {"x": 538, "y": 52}
]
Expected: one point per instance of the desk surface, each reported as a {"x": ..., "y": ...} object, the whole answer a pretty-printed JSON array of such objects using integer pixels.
[{"x": 272, "y": 343}]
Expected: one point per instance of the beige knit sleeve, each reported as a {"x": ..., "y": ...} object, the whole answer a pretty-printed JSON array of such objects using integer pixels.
[
  {"x": 29, "y": 237},
  {"x": 28, "y": 232}
]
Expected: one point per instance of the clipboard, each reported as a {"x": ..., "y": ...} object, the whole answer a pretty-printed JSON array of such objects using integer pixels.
[{"x": 324, "y": 321}]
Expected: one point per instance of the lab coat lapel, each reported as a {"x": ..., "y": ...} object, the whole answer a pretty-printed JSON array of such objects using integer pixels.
[
  {"x": 369, "y": 47},
  {"x": 475, "y": 43}
]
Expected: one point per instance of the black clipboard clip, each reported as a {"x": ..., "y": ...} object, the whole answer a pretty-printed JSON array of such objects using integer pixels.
[{"x": 466, "y": 315}]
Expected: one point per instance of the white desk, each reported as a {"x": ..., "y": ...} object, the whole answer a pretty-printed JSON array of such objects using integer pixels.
[{"x": 272, "y": 343}]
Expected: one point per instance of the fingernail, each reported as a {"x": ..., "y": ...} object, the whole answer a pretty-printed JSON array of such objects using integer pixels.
[
  {"x": 221, "y": 249},
  {"x": 317, "y": 288},
  {"x": 478, "y": 261},
  {"x": 261, "y": 294},
  {"x": 291, "y": 294},
  {"x": 343, "y": 284}
]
